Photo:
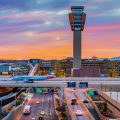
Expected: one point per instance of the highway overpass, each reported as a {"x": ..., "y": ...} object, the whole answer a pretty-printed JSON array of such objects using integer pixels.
[
  {"x": 86, "y": 79},
  {"x": 73, "y": 78},
  {"x": 56, "y": 82}
]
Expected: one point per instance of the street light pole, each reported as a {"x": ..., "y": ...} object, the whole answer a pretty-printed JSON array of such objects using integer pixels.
[
  {"x": 101, "y": 86},
  {"x": 110, "y": 93},
  {"x": 0, "y": 109},
  {"x": 117, "y": 95},
  {"x": 105, "y": 89},
  {"x": 15, "y": 101},
  {"x": 61, "y": 90},
  {"x": 27, "y": 94}
]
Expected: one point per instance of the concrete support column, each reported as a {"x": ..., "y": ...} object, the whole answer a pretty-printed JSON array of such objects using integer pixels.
[{"x": 76, "y": 49}]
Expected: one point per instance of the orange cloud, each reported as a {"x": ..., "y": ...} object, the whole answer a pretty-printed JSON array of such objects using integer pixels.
[
  {"x": 58, "y": 44},
  {"x": 104, "y": 27}
]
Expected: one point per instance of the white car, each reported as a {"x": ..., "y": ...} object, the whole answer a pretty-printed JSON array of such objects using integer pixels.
[
  {"x": 79, "y": 112},
  {"x": 37, "y": 102},
  {"x": 32, "y": 118},
  {"x": 27, "y": 109},
  {"x": 42, "y": 112}
]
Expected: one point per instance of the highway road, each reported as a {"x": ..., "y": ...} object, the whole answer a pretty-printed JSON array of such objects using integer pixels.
[
  {"x": 73, "y": 108},
  {"x": 46, "y": 104},
  {"x": 77, "y": 107},
  {"x": 80, "y": 93}
]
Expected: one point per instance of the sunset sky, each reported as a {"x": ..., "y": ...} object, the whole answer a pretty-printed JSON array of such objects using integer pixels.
[{"x": 40, "y": 29}]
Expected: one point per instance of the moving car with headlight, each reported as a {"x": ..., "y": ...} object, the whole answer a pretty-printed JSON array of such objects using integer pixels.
[
  {"x": 27, "y": 109},
  {"x": 79, "y": 112}
]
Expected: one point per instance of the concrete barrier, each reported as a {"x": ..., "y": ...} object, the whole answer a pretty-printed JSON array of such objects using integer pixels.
[
  {"x": 18, "y": 112},
  {"x": 6, "y": 107},
  {"x": 55, "y": 97},
  {"x": 15, "y": 113},
  {"x": 96, "y": 108},
  {"x": 10, "y": 116}
]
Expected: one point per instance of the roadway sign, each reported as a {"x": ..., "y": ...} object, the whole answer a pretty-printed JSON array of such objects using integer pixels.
[
  {"x": 71, "y": 84},
  {"x": 39, "y": 90},
  {"x": 92, "y": 92},
  {"x": 83, "y": 84}
]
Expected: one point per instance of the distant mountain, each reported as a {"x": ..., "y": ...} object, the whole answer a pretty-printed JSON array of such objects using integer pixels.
[{"x": 115, "y": 58}]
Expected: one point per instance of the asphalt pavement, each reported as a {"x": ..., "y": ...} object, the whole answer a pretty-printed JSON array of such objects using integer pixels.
[
  {"x": 88, "y": 105},
  {"x": 46, "y": 104},
  {"x": 69, "y": 94}
]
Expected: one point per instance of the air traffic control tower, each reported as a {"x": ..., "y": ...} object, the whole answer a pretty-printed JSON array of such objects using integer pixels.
[{"x": 77, "y": 21}]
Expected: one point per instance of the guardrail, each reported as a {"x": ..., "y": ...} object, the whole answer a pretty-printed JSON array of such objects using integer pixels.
[
  {"x": 96, "y": 108},
  {"x": 10, "y": 99}
]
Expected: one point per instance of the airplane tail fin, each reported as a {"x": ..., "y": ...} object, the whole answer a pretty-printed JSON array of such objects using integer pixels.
[{"x": 51, "y": 75}]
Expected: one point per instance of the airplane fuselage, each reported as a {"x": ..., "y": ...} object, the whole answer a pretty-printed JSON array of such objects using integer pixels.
[{"x": 22, "y": 78}]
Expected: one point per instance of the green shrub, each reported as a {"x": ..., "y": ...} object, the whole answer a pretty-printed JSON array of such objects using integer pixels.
[{"x": 18, "y": 103}]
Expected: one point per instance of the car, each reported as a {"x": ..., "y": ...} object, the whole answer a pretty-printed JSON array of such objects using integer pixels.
[
  {"x": 40, "y": 118},
  {"x": 32, "y": 118},
  {"x": 73, "y": 101},
  {"x": 42, "y": 112},
  {"x": 37, "y": 102},
  {"x": 85, "y": 101},
  {"x": 27, "y": 109},
  {"x": 79, "y": 112}
]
